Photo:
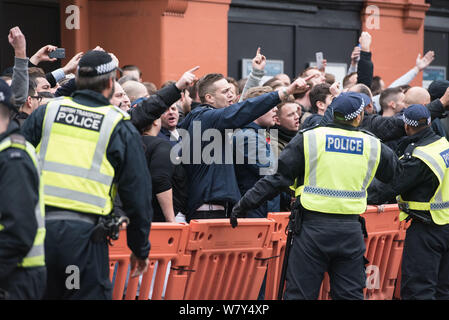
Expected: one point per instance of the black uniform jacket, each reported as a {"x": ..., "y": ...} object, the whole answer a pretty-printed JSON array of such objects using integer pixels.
[
  {"x": 416, "y": 181},
  {"x": 291, "y": 166},
  {"x": 19, "y": 195},
  {"x": 126, "y": 155}
]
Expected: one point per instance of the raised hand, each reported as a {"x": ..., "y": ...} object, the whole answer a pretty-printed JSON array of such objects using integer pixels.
[
  {"x": 187, "y": 79},
  {"x": 259, "y": 61},
  {"x": 42, "y": 54},
  {"x": 71, "y": 66},
  {"x": 365, "y": 41},
  {"x": 355, "y": 55},
  {"x": 424, "y": 62},
  {"x": 18, "y": 42},
  {"x": 335, "y": 89}
]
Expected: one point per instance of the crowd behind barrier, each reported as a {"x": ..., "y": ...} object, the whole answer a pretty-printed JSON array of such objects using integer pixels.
[{"x": 203, "y": 142}]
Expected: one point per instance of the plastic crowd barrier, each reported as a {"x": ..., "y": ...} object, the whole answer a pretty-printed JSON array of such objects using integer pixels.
[
  {"x": 384, "y": 247},
  {"x": 228, "y": 263},
  {"x": 209, "y": 260},
  {"x": 278, "y": 244},
  {"x": 168, "y": 241}
]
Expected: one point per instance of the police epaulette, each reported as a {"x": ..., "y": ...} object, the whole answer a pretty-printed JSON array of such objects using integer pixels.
[
  {"x": 309, "y": 128},
  {"x": 408, "y": 152},
  {"x": 17, "y": 139}
]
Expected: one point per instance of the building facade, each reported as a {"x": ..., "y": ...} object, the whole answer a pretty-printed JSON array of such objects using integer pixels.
[{"x": 166, "y": 37}]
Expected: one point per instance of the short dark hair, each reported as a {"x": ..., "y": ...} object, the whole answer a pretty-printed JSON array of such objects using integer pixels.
[
  {"x": 193, "y": 89},
  {"x": 283, "y": 103},
  {"x": 35, "y": 72},
  {"x": 31, "y": 87},
  {"x": 319, "y": 92},
  {"x": 97, "y": 84},
  {"x": 376, "y": 88},
  {"x": 387, "y": 96},
  {"x": 206, "y": 84},
  {"x": 234, "y": 82},
  {"x": 129, "y": 67}
]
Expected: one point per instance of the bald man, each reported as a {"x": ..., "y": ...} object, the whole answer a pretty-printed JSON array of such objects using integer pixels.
[
  {"x": 135, "y": 90},
  {"x": 417, "y": 95}
]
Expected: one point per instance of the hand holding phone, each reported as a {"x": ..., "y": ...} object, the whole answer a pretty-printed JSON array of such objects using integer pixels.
[{"x": 58, "y": 53}]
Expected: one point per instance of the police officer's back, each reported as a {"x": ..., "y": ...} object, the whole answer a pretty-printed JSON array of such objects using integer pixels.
[
  {"x": 337, "y": 163},
  {"x": 89, "y": 151},
  {"x": 22, "y": 230},
  {"x": 423, "y": 189}
]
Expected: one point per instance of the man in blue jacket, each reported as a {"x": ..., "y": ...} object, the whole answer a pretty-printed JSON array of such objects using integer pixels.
[{"x": 213, "y": 187}]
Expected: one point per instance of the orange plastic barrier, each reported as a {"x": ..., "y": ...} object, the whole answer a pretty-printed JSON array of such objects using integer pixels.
[
  {"x": 227, "y": 263},
  {"x": 384, "y": 247},
  {"x": 278, "y": 243},
  {"x": 212, "y": 261},
  {"x": 397, "y": 291},
  {"x": 168, "y": 242}
]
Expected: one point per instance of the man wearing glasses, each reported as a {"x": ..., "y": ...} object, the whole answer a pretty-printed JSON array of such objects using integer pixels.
[{"x": 31, "y": 103}]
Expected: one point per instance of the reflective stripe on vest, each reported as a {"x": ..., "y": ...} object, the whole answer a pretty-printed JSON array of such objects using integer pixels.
[
  {"x": 436, "y": 156},
  {"x": 36, "y": 255},
  {"x": 77, "y": 174},
  {"x": 339, "y": 166}
]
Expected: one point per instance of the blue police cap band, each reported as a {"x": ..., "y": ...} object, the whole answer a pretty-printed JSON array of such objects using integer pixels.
[
  {"x": 415, "y": 123},
  {"x": 354, "y": 114}
]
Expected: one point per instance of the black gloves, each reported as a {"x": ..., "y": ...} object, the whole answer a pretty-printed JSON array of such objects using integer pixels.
[{"x": 236, "y": 212}]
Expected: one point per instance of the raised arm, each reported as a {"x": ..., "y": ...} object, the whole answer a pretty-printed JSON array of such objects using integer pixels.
[
  {"x": 258, "y": 71},
  {"x": 19, "y": 83}
]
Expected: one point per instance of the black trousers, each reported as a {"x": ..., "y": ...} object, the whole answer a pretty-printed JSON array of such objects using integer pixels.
[
  {"x": 77, "y": 268},
  {"x": 326, "y": 244},
  {"x": 425, "y": 262},
  {"x": 25, "y": 284}
]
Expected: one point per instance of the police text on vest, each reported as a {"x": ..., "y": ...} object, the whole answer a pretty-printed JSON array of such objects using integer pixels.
[
  {"x": 79, "y": 118},
  {"x": 343, "y": 144}
]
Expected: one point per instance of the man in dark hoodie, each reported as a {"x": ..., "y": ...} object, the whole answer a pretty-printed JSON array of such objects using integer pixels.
[{"x": 213, "y": 187}]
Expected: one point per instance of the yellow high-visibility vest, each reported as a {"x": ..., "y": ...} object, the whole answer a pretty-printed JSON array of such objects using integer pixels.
[
  {"x": 339, "y": 166},
  {"x": 36, "y": 255},
  {"x": 76, "y": 172},
  {"x": 436, "y": 156}
]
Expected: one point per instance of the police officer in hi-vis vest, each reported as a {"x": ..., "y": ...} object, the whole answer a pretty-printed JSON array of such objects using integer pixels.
[
  {"x": 423, "y": 196},
  {"x": 89, "y": 151},
  {"x": 22, "y": 225},
  {"x": 335, "y": 164}
]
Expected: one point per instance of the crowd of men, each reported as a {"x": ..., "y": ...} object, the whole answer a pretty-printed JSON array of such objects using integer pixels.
[{"x": 94, "y": 138}]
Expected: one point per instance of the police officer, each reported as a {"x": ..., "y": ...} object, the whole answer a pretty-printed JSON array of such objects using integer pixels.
[
  {"x": 336, "y": 164},
  {"x": 423, "y": 189},
  {"x": 22, "y": 230},
  {"x": 89, "y": 150}
]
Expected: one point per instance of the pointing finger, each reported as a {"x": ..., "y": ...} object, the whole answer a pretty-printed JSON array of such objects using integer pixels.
[{"x": 194, "y": 69}]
